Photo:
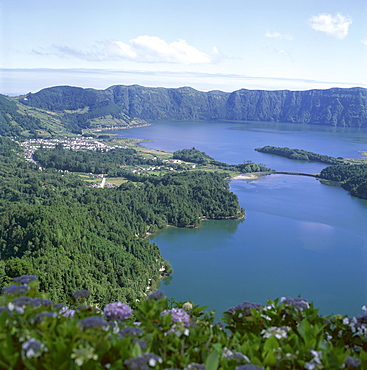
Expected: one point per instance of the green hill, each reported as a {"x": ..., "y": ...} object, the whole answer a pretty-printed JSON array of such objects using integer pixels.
[{"x": 80, "y": 107}]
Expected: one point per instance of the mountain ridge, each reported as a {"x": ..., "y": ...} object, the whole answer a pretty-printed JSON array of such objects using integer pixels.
[{"x": 81, "y": 108}]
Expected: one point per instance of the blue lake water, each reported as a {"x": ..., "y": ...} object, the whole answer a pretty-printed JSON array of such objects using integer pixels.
[{"x": 299, "y": 237}]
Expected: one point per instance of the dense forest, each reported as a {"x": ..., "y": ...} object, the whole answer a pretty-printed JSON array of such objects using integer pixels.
[
  {"x": 72, "y": 236},
  {"x": 353, "y": 177},
  {"x": 196, "y": 156},
  {"x": 299, "y": 154}
]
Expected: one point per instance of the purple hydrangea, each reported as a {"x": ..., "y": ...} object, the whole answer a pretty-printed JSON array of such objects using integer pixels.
[
  {"x": 42, "y": 315},
  {"x": 245, "y": 308},
  {"x": 117, "y": 311},
  {"x": 24, "y": 279},
  {"x": 94, "y": 322},
  {"x": 351, "y": 362},
  {"x": 65, "y": 311},
  {"x": 16, "y": 289},
  {"x": 298, "y": 303},
  {"x": 156, "y": 295},
  {"x": 143, "y": 362},
  {"x": 82, "y": 293},
  {"x": 130, "y": 331},
  {"x": 178, "y": 315},
  {"x": 22, "y": 301},
  {"x": 141, "y": 342},
  {"x": 33, "y": 348}
]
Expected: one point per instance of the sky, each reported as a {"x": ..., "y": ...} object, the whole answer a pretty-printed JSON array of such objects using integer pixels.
[{"x": 206, "y": 44}]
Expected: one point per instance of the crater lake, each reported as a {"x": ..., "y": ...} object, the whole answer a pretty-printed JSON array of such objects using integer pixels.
[{"x": 299, "y": 236}]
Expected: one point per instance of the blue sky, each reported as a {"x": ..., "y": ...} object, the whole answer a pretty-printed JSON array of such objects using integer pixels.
[{"x": 224, "y": 45}]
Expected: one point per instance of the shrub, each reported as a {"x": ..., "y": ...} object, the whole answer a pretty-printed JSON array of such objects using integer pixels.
[{"x": 289, "y": 333}]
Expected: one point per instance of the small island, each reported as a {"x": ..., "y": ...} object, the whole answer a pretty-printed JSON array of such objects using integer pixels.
[{"x": 300, "y": 155}]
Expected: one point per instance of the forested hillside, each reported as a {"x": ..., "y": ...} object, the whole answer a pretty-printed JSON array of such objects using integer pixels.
[
  {"x": 353, "y": 177},
  {"x": 13, "y": 122},
  {"x": 73, "y": 236},
  {"x": 80, "y": 107}
]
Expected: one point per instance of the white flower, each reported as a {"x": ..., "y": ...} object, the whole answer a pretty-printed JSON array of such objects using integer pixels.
[
  {"x": 266, "y": 317},
  {"x": 152, "y": 362},
  {"x": 278, "y": 333}
]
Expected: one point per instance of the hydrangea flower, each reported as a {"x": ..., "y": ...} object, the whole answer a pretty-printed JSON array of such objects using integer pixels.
[
  {"x": 65, "y": 311},
  {"x": 313, "y": 364},
  {"x": 351, "y": 362},
  {"x": 178, "y": 315},
  {"x": 143, "y": 362},
  {"x": 156, "y": 295},
  {"x": 278, "y": 333},
  {"x": 187, "y": 306},
  {"x": 42, "y": 315},
  {"x": 94, "y": 322},
  {"x": 238, "y": 356},
  {"x": 117, "y": 311},
  {"x": 33, "y": 348},
  {"x": 16, "y": 289},
  {"x": 299, "y": 303},
  {"x": 245, "y": 308},
  {"x": 130, "y": 331},
  {"x": 12, "y": 307},
  {"x": 22, "y": 301},
  {"x": 24, "y": 279}
]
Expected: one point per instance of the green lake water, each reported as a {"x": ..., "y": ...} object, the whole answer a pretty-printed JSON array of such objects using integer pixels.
[{"x": 299, "y": 237}]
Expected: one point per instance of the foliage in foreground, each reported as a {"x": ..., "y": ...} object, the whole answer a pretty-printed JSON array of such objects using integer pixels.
[{"x": 35, "y": 333}]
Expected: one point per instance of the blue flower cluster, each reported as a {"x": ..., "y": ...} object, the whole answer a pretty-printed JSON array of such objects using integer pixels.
[
  {"x": 117, "y": 311},
  {"x": 24, "y": 279},
  {"x": 21, "y": 289},
  {"x": 143, "y": 362},
  {"x": 245, "y": 308},
  {"x": 16, "y": 289},
  {"x": 94, "y": 322},
  {"x": 158, "y": 294},
  {"x": 178, "y": 315},
  {"x": 299, "y": 303},
  {"x": 33, "y": 348}
]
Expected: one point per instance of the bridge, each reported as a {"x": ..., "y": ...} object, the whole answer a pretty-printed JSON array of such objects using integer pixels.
[
  {"x": 294, "y": 173},
  {"x": 283, "y": 173}
]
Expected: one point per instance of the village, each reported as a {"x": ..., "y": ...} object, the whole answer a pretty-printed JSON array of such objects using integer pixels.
[
  {"x": 73, "y": 143},
  {"x": 89, "y": 143}
]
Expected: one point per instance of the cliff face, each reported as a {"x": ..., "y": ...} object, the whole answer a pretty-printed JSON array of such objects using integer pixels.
[{"x": 337, "y": 107}]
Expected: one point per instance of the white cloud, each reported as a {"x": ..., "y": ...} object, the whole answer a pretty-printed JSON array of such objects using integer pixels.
[
  {"x": 282, "y": 52},
  {"x": 278, "y": 35},
  {"x": 143, "y": 49},
  {"x": 337, "y": 26},
  {"x": 364, "y": 41}
]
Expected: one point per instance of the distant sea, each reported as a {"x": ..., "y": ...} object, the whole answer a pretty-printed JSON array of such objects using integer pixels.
[{"x": 299, "y": 237}]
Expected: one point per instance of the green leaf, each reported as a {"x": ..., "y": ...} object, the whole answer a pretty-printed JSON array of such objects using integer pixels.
[{"x": 212, "y": 362}]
